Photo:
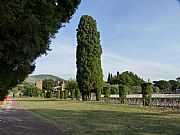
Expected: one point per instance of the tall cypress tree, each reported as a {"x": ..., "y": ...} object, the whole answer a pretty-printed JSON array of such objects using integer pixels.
[{"x": 89, "y": 72}]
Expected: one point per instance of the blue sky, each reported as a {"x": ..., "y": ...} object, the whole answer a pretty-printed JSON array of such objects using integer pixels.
[{"x": 141, "y": 36}]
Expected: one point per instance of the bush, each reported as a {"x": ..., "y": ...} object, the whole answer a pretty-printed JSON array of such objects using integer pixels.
[
  {"x": 114, "y": 89},
  {"x": 77, "y": 94},
  {"x": 61, "y": 94},
  {"x": 72, "y": 94},
  {"x": 58, "y": 94},
  {"x": 107, "y": 93},
  {"x": 98, "y": 94},
  {"x": 122, "y": 93},
  {"x": 147, "y": 93},
  {"x": 65, "y": 94}
]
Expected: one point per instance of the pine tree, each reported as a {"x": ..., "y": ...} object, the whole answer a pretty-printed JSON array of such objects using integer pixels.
[{"x": 89, "y": 72}]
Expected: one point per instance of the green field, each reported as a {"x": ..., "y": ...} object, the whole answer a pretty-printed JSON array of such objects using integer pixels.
[{"x": 96, "y": 118}]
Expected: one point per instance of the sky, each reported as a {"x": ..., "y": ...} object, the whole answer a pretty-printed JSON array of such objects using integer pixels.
[{"x": 141, "y": 36}]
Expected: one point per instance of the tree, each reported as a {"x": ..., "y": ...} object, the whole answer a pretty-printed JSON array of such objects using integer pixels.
[
  {"x": 89, "y": 72},
  {"x": 126, "y": 78},
  {"x": 109, "y": 78},
  {"x": 122, "y": 93},
  {"x": 147, "y": 93},
  {"x": 27, "y": 28},
  {"x": 48, "y": 85},
  {"x": 162, "y": 85}
]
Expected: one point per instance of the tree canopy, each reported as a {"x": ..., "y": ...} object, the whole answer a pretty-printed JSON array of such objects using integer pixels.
[
  {"x": 89, "y": 72},
  {"x": 27, "y": 28},
  {"x": 127, "y": 78}
]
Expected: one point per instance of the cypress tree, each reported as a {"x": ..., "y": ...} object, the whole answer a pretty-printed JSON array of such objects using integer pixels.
[
  {"x": 122, "y": 93},
  {"x": 89, "y": 72},
  {"x": 147, "y": 93},
  {"x": 109, "y": 78}
]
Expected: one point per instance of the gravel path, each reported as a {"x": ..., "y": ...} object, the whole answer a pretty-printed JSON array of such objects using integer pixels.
[{"x": 16, "y": 121}]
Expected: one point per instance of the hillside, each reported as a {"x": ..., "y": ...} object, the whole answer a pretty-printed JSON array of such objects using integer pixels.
[{"x": 35, "y": 78}]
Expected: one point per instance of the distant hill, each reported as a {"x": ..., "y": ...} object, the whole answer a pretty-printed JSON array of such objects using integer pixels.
[{"x": 34, "y": 78}]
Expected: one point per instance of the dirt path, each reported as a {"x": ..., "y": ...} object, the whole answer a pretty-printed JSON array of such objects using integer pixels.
[{"x": 16, "y": 121}]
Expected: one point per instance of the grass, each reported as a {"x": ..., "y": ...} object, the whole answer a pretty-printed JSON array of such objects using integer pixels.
[{"x": 95, "y": 118}]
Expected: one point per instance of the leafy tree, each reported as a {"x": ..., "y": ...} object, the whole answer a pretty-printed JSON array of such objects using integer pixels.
[
  {"x": 109, "y": 78},
  {"x": 72, "y": 84},
  {"x": 114, "y": 89},
  {"x": 107, "y": 93},
  {"x": 126, "y": 78},
  {"x": 27, "y": 28},
  {"x": 163, "y": 85},
  {"x": 174, "y": 85},
  {"x": 30, "y": 90},
  {"x": 89, "y": 72},
  {"x": 48, "y": 85}
]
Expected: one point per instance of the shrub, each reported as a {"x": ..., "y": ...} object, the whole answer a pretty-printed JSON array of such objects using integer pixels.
[
  {"x": 58, "y": 94},
  {"x": 65, "y": 94},
  {"x": 122, "y": 93},
  {"x": 114, "y": 89},
  {"x": 147, "y": 93},
  {"x": 72, "y": 94},
  {"x": 107, "y": 93},
  {"x": 77, "y": 94},
  {"x": 98, "y": 94},
  {"x": 61, "y": 94}
]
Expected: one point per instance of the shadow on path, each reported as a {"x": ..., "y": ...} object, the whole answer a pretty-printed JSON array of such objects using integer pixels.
[{"x": 16, "y": 121}]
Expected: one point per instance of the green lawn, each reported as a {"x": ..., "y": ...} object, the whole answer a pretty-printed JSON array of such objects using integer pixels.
[{"x": 96, "y": 118}]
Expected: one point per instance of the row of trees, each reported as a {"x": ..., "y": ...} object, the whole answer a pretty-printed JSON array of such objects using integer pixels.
[
  {"x": 147, "y": 91},
  {"x": 167, "y": 86},
  {"x": 127, "y": 78}
]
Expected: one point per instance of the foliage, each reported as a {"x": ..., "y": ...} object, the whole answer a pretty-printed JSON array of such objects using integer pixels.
[
  {"x": 27, "y": 28},
  {"x": 30, "y": 90},
  {"x": 122, "y": 93},
  {"x": 77, "y": 94},
  {"x": 3, "y": 93},
  {"x": 89, "y": 72},
  {"x": 65, "y": 94},
  {"x": 156, "y": 90},
  {"x": 107, "y": 93},
  {"x": 114, "y": 89},
  {"x": 147, "y": 93},
  {"x": 174, "y": 85},
  {"x": 72, "y": 94},
  {"x": 48, "y": 85},
  {"x": 127, "y": 78},
  {"x": 58, "y": 94},
  {"x": 163, "y": 85},
  {"x": 134, "y": 89},
  {"x": 61, "y": 94},
  {"x": 72, "y": 84}
]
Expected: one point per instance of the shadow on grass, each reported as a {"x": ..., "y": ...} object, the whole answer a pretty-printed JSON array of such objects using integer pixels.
[{"x": 103, "y": 122}]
